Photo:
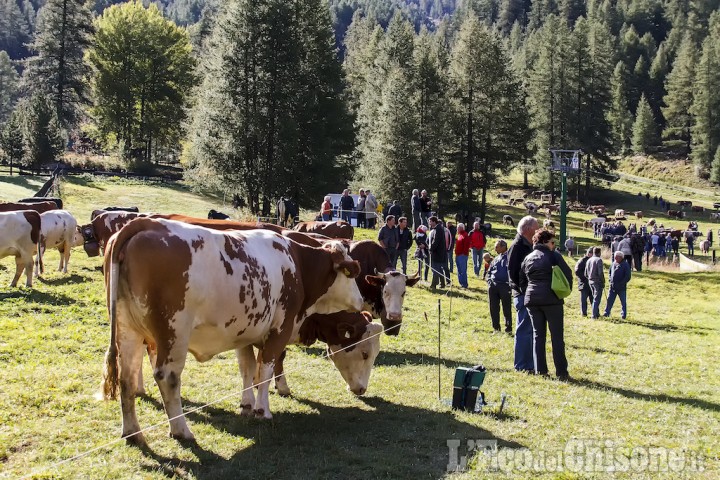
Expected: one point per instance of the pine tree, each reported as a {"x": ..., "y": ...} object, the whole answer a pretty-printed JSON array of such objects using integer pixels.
[
  {"x": 715, "y": 169},
  {"x": 619, "y": 115},
  {"x": 9, "y": 88},
  {"x": 679, "y": 98},
  {"x": 14, "y": 29},
  {"x": 656, "y": 87},
  {"x": 41, "y": 130},
  {"x": 706, "y": 105},
  {"x": 512, "y": 11},
  {"x": 644, "y": 129},
  {"x": 12, "y": 143},
  {"x": 63, "y": 33}
]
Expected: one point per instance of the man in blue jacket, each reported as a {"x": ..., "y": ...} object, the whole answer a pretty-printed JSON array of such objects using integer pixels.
[{"x": 619, "y": 278}]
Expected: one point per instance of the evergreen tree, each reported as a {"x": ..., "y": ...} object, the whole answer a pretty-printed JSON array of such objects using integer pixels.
[
  {"x": 141, "y": 78},
  {"x": 715, "y": 169},
  {"x": 512, "y": 11},
  {"x": 41, "y": 130},
  {"x": 9, "y": 88},
  {"x": 656, "y": 88},
  {"x": 644, "y": 129},
  {"x": 679, "y": 96},
  {"x": 571, "y": 10},
  {"x": 12, "y": 143},
  {"x": 619, "y": 115},
  {"x": 63, "y": 33},
  {"x": 14, "y": 29}
]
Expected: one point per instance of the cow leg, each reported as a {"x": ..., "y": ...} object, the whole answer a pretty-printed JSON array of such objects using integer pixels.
[
  {"x": 152, "y": 356},
  {"x": 167, "y": 376},
  {"x": 20, "y": 267},
  {"x": 130, "y": 353},
  {"x": 272, "y": 350},
  {"x": 65, "y": 258},
  {"x": 262, "y": 403},
  {"x": 38, "y": 264},
  {"x": 280, "y": 378},
  {"x": 246, "y": 363}
]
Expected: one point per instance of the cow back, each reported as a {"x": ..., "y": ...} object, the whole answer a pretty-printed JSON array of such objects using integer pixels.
[{"x": 39, "y": 207}]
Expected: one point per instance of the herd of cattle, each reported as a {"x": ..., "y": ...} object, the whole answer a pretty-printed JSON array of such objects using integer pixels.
[{"x": 178, "y": 284}]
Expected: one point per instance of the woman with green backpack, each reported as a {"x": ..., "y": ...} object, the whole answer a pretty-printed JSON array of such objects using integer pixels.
[{"x": 545, "y": 280}]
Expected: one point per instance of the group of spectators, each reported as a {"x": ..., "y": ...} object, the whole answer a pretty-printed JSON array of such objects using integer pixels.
[{"x": 366, "y": 208}]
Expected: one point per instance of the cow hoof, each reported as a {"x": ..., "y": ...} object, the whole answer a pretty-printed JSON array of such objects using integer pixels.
[
  {"x": 186, "y": 436},
  {"x": 246, "y": 410},
  {"x": 260, "y": 413},
  {"x": 284, "y": 392},
  {"x": 137, "y": 440}
]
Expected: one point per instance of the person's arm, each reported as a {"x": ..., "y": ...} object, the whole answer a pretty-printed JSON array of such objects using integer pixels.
[
  {"x": 522, "y": 279},
  {"x": 381, "y": 237},
  {"x": 564, "y": 267}
]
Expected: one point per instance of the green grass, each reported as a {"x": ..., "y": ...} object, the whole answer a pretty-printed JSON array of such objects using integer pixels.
[{"x": 649, "y": 380}]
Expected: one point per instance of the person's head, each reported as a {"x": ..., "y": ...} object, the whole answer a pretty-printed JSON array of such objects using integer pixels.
[
  {"x": 487, "y": 257},
  {"x": 390, "y": 220},
  {"x": 402, "y": 222},
  {"x": 597, "y": 251},
  {"x": 450, "y": 224},
  {"x": 395, "y": 202},
  {"x": 527, "y": 226},
  {"x": 433, "y": 221},
  {"x": 362, "y": 191},
  {"x": 544, "y": 237},
  {"x": 619, "y": 256},
  {"x": 415, "y": 191},
  {"x": 327, "y": 198},
  {"x": 590, "y": 251},
  {"x": 346, "y": 192},
  {"x": 461, "y": 227},
  {"x": 423, "y": 193},
  {"x": 476, "y": 226},
  {"x": 501, "y": 246},
  {"x": 422, "y": 229},
  {"x": 367, "y": 191}
]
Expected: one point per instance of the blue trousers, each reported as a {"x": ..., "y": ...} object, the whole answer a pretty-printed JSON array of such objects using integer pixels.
[
  {"x": 477, "y": 254},
  {"x": 597, "y": 291},
  {"x": 523, "y": 337},
  {"x": 586, "y": 296},
  {"x": 461, "y": 261},
  {"x": 611, "y": 300}
]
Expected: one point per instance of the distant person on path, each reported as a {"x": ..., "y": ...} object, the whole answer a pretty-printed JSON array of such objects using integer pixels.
[
  {"x": 438, "y": 252},
  {"x": 416, "y": 207},
  {"x": 619, "y": 278},
  {"x": 595, "y": 274},
  {"x": 582, "y": 283},
  {"x": 422, "y": 252},
  {"x": 520, "y": 248},
  {"x": 647, "y": 196},
  {"x": 569, "y": 246},
  {"x": 690, "y": 240},
  {"x": 395, "y": 209},
  {"x": 637, "y": 244},
  {"x": 499, "y": 288},
  {"x": 389, "y": 239},
  {"x": 462, "y": 252},
  {"x": 361, "y": 209},
  {"x": 709, "y": 236},
  {"x": 425, "y": 206},
  {"x": 675, "y": 245},
  {"x": 347, "y": 205},
  {"x": 404, "y": 243},
  {"x": 545, "y": 309},
  {"x": 370, "y": 209},
  {"x": 477, "y": 244},
  {"x": 326, "y": 209},
  {"x": 655, "y": 200}
]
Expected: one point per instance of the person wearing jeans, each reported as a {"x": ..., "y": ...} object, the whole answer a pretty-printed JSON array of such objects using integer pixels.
[
  {"x": 620, "y": 273},
  {"x": 404, "y": 243},
  {"x": 477, "y": 244},
  {"x": 595, "y": 274},
  {"x": 462, "y": 251},
  {"x": 583, "y": 284},
  {"x": 499, "y": 289}
]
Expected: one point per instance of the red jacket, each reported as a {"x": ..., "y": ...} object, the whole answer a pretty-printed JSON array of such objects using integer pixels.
[
  {"x": 462, "y": 244},
  {"x": 477, "y": 239},
  {"x": 326, "y": 208}
]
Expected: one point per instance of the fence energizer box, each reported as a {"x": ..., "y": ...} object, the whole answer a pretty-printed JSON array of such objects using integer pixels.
[{"x": 467, "y": 386}]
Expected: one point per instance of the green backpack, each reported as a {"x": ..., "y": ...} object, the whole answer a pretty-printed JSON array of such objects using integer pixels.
[{"x": 560, "y": 284}]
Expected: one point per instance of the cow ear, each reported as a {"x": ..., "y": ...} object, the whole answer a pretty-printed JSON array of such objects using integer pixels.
[
  {"x": 346, "y": 330},
  {"x": 375, "y": 280},
  {"x": 350, "y": 269},
  {"x": 336, "y": 252},
  {"x": 411, "y": 281},
  {"x": 309, "y": 330}
]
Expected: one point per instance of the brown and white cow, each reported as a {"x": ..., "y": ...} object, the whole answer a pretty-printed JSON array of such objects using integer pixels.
[
  {"x": 19, "y": 236},
  {"x": 338, "y": 229},
  {"x": 58, "y": 230},
  {"x": 705, "y": 247},
  {"x": 39, "y": 207},
  {"x": 183, "y": 288},
  {"x": 638, "y": 215},
  {"x": 676, "y": 214}
]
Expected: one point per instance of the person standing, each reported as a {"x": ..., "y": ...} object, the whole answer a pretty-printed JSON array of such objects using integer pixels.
[
  {"x": 451, "y": 243},
  {"x": 370, "y": 209},
  {"x": 545, "y": 309},
  {"x": 462, "y": 251},
  {"x": 361, "y": 209},
  {"x": 347, "y": 205},
  {"x": 709, "y": 236},
  {"x": 595, "y": 275},
  {"x": 438, "y": 252},
  {"x": 637, "y": 244},
  {"x": 416, "y": 208},
  {"x": 569, "y": 246},
  {"x": 425, "y": 207},
  {"x": 326, "y": 209},
  {"x": 395, "y": 209},
  {"x": 690, "y": 240},
  {"x": 499, "y": 288},
  {"x": 520, "y": 248},
  {"x": 389, "y": 239},
  {"x": 404, "y": 243},
  {"x": 422, "y": 252},
  {"x": 625, "y": 246},
  {"x": 619, "y": 278},
  {"x": 583, "y": 284},
  {"x": 477, "y": 244}
]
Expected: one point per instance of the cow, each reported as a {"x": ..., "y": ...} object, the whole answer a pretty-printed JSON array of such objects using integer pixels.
[
  {"x": 638, "y": 215},
  {"x": 705, "y": 247},
  {"x": 547, "y": 223},
  {"x": 58, "y": 230},
  {"x": 338, "y": 229},
  {"x": 531, "y": 207},
  {"x": 215, "y": 215},
  {"x": 595, "y": 209},
  {"x": 164, "y": 282},
  {"x": 504, "y": 195},
  {"x": 697, "y": 208},
  {"x": 715, "y": 216},
  {"x": 58, "y": 202},
  {"x": 121, "y": 209},
  {"x": 20, "y": 237},
  {"x": 550, "y": 209},
  {"x": 287, "y": 208},
  {"x": 676, "y": 214},
  {"x": 619, "y": 213},
  {"x": 684, "y": 203},
  {"x": 39, "y": 207},
  {"x": 508, "y": 220}
]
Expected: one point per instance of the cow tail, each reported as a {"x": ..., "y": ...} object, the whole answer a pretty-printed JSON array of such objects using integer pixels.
[{"x": 111, "y": 372}]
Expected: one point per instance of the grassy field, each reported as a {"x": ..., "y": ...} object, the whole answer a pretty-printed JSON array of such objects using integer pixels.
[{"x": 650, "y": 380}]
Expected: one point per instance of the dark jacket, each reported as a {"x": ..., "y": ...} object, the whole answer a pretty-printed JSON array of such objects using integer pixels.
[
  {"x": 347, "y": 203},
  {"x": 619, "y": 276},
  {"x": 406, "y": 239},
  {"x": 638, "y": 244},
  {"x": 498, "y": 272},
  {"x": 415, "y": 204},
  {"x": 438, "y": 250},
  {"x": 580, "y": 273},
  {"x": 536, "y": 276},
  {"x": 519, "y": 249},
  {"x": 396, "y": 211},
  {"x": 425, "y": 204}
]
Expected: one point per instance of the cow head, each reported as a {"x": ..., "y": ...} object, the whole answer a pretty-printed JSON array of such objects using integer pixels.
[
  {"x": 343, "y": 293},
  {"x": 356, "y": 362},
  {"x": 393, "y": 286},
  {"x": 78, "y": 238}
]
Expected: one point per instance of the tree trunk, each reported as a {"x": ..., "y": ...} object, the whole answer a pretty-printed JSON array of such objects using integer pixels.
[
  {"x": 587, "y": 180},
  {"x": 467, "y": 193}
]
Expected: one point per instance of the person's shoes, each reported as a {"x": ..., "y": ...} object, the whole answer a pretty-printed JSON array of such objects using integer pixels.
[
  {"x": 526, "y": 371},
  {"x": 594, "y": 318},
  {"x": 607, "y": 315},
  {"x": 623, "y": 317},
  {"x": 508, "y": 330},
  {"x": 495, "y": 331},
  {"x": 564, "y": 378},
  {"x": 543, "y": 374}
]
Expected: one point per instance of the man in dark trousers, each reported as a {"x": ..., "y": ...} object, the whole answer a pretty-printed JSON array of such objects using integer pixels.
[
  {"x": 583, "y": 284},
  {"x": 520, "y": 248},
  {"x": 499, "y": 288},
  {"x": 395, "y": 209},
  {"x": 426, "y": 206},
  {"x": 619, "y": 278},
  {"x": 638, "y": 248},
  {"x": 405, "y": 241},
  {"x": 347, "y": 205},
  {"x": 389, "y": 239},
  {"x": 595, "y": 274},
  {"x": 416, "y": 207},
  {"x": 438, "y": 252}
]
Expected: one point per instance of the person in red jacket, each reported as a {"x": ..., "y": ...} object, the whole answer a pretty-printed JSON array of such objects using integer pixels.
[
  {"x": 326, "y": 209},
  {"x": 477, "y": 244},
  {"x": 462, "y": 251}
]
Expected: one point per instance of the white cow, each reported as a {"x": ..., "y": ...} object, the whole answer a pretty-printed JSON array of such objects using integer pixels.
[
  {"x": 58, "y": 230},
  {"x": 19, "y": 236}
]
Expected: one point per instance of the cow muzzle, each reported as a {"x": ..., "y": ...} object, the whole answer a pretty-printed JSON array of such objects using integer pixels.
[
  {"x": 358, "y": 390},
  {"x": 391, "y": 327}
]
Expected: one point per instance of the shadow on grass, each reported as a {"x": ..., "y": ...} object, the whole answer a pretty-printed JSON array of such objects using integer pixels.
[
  {"x": 648, "y": 397},
  {"x": 87, "y": 181},
  {"x": 65, "y": 280},
  {"x": 665, "y": 327},
  {"x": 389, "y": 441},
  {"x": 31, "y": 182},
  {"x": 39, "y": 297}
]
